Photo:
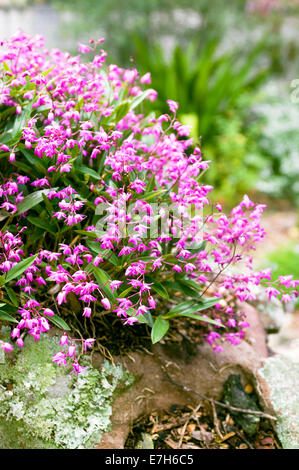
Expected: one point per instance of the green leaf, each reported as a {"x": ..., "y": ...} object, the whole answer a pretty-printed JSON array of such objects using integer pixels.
[
  {"x": 88, "y": 171},
  {"x": 103, "y": 281},
  {"x": 159, "y": 329},
  {"x": 11, "y": 294},
  {"x": 88, "y": 233},
  {"x": 111, "y": 257},
  {"x": 151, "y": 185},
  {"x": 146, "y": 318},
  {"x": 184, "y": 287},
  {"x": 32, "y": 200},
  {"x": 48, "y": 205},
  {"x": 158, "y": 287},
  {"x": 4, "y": 215},
  {"x": 43, "y": 224},
  {"x": 191, "y": 306},
  {"x": 138, "y": 99},
  {"x": 191, "y": 283},
  {"x": 200, "y": 317},
  {"x": 4, "y": 316},
  {"x": 125, "y": 292},
  {"x": 200, "y": 248},
  {"x": 34, "y": 161},
  {"x": 19, "y": 268},
  {"x": 181, "y": 307},
  {"x": 121, "y": 111},
  {"x": 152, "y": 194},
  {"x": 58, "y": 321},
  {"x": 20, "y": 120}
]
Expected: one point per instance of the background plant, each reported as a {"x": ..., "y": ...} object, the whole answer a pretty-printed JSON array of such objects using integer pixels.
[{"x": 215, "y": 92}]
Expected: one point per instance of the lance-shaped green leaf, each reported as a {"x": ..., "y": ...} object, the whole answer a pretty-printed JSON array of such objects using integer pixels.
[
  {"x": 4, "y": 316},
  {"x": 103, "y": 281},
  {"x": 88, "y": 171},
  {"x": 38, "y": 222},
  {"x": 198, "y": 317},
  {"x": 89, "y": 233},
  {"x": 190, "y": 308},
  {"x": 151, "y": 195},
  {"x": 146, "y": 318},
  {"x": 19, "y": 268},
  {"x": 35, "y": 162},
  {"x": 138, "y": 99},
  {"x": 58, "y": 321},
  {"x": 11, "y": 294},
  {"x": 105, "y": 254},
  {"x": 201, "y": 247},
  {"x": 120, "y": 111},
  {"x": 31, "y": 200},
  {"x": 159, "y": 329},
  {"x": 157, "y": 287}
]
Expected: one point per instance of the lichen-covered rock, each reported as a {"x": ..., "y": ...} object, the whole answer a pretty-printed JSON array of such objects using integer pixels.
[
  {"x": 282, "y": 376},
  {"x": 42, "y": 406}
]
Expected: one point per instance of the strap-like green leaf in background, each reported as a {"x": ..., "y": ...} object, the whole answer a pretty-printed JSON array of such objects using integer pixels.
[
  {"x": 4, "y": 316},
  {"x": 19, "y": 268},
  {"x": 58, "y": 321},
  {"x": 31, "y": 200},
  {"x": 103, "y": 281}
]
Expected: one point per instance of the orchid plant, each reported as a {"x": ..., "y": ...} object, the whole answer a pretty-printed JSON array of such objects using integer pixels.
[{"x": 104, "y": 204}]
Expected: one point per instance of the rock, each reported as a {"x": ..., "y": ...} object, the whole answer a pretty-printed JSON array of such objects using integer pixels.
[
  {"x": 145, "y": 442},
  {"x": 87, "y": 410},
  {"x": 281, "y": 374},
  {"x": 235, "y": 395},
  {"x": 42, "y": 406},
  {"x": 205, "y": 373},
  {"x": 60, "y": 388}
]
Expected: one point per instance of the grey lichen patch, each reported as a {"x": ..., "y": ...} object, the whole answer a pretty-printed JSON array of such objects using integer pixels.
[
  {"x": 282, "y": 376},
  {"x": 42, "y": 406}
]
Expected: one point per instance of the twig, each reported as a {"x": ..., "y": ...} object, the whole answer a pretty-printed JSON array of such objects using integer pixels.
[
  {"x": 191, "y": 415},
  {"x": 216, "y": 420},
  {"x": 223, "y": 405},
  {"x": 243, "y": 438},
  {"x": 183, "y": 433}
]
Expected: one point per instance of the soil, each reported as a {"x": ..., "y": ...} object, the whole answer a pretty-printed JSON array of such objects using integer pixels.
[{"x": 200, "y": 428}]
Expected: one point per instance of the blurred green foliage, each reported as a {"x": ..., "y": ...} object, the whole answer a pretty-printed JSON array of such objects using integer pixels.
[
  {"x": 150, "y": 20},
  {"x": 214, "y": 92},
  {"x": 213, "y": 58},
  {"x": 284, "y": 261},
  {"x": 278, "y": 143}
]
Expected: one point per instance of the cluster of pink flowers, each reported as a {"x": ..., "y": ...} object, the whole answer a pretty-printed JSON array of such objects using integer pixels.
[
  {"x": 81, "y": 145},
  {"x": 69, "y": 352}
]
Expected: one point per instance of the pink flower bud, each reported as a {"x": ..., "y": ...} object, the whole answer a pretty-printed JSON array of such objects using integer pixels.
[
  {"x": 72, "y": 350},
  {"x": 106, "y": 303},
  {"x": 86, "y": 312},
  {"x": 20, "y": 342},
  {"x": 64, "y": 340}
]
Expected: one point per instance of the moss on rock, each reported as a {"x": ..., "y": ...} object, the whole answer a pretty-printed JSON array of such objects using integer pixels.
[
  {"x": 42, "y": 406},
  {"x": 282, "y": 376}
]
